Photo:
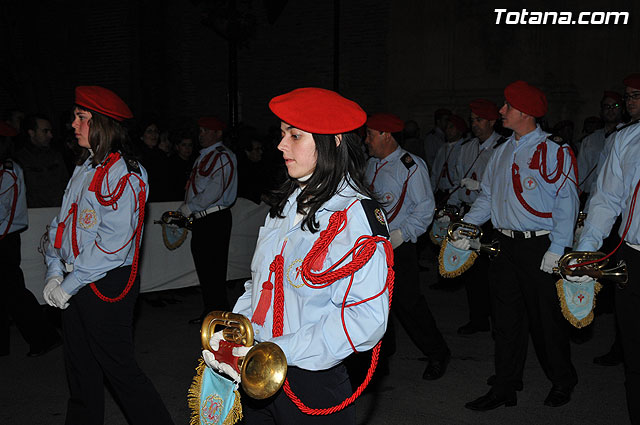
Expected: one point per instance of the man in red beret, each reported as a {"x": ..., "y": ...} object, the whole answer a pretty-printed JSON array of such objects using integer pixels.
[
  {"x": 436, "y": 138},
  {"x": 210, "y": 192},
  {"x": 443, "y": 174},
  {"x": 401, "y": 180},
  {"x": 472, "y": 161},
  {"x": 529, "y": 194}
]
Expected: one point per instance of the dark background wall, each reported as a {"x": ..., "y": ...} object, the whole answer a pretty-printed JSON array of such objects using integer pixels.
[{"x": 406, "y": 56}]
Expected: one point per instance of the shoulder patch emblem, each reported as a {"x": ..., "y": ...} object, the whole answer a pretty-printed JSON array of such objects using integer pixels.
[
  {"x": 87, "y": 218},
  {"x": 375, "y": 217},
  {"x": 220, "y": 149},
  {"x": 529, "y": 183},
  {"x": 500, "y": 141},
  {"x": 408, "y": 161}
]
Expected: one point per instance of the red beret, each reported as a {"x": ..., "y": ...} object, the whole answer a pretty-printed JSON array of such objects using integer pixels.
[
  {"x": 632, "y": 81},
  {"x": 613, "y": 95},
  {"x": 318, "y": 111},
  {"x": 103, "y": 101},
  {"x": 484, "y": 109},
  {"x": 7, "y": 130},
  {"x": 385, "y": 122},
  {"x": 211, "y": 123},
  {"x": 458, "y": 123},
  {"x": 526, "y": 98}
]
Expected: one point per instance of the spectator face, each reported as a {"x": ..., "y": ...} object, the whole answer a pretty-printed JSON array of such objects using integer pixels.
[
  {"x": 611, "y": 110},
  {"x": 42, "y": 135},
  {"x": 375, "y": 143},
  {"x": 632, "y": 101},
  {"x": 80, "y": 126},
  {"x": 185, "y": 148},
  {"x": 150, "y": 136},
  {"x": 481, "y": 128},
  {"x": 452, "y": 133},
  {"x": 255, "y": 154},
  {"x": 298, "y": 150}
]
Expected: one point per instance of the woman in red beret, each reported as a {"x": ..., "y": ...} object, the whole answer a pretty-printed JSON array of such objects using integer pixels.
[
  {"x": 92, "y": 266},
  {"x": 321, "y": 272}
]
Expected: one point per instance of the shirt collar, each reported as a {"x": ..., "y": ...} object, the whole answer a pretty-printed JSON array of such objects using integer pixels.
[
  {"x": 536, "y": 136},
  {"x": 210, "y": 148},
  {"x": 490, "y": 141}
]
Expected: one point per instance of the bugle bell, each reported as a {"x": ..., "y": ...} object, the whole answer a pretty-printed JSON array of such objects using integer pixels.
[
  {"x": 175, "y": 218},
  {"x": 264, "y": 368},
  {"x": 472, "y": 232},
  {"x": 616, "y": 274}
]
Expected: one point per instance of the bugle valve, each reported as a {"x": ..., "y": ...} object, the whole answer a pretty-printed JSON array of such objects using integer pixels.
[
  {"x": 594, "y": 269},
  {"x": 474, "y": 233}
]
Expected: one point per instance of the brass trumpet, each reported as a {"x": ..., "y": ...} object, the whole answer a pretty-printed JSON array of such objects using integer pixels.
[
  {"x": 175, "y": 218},
  {"x": 616, "y": 274},
  {"x": 264, "y": 369},
  {"x": 472, "y": 231}
]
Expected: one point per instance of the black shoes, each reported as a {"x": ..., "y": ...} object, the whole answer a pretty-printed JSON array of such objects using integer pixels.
[
  {"x": 609, "y": 359},
  {"x": 44, "y": 349},
  {"x": 436, "y": 368},
  {"x": 558, "y": 396},
  {"x": 492, "y": 380},
  {"x": 491, "y": 401},
  {"x": 470, "y": 329}
]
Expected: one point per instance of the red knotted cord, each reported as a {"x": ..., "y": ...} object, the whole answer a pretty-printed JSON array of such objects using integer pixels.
[
  {"x": 14, "y": 201},
  {"x": 205, "y": 171}
]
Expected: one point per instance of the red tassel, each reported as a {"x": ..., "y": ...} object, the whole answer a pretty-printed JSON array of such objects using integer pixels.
[
  {"x": 263, "y": 305},
  {"x": 534, "y": 164},
  {"x": 59, "y": 231},
  {"x": 318, "y": 262},
  {"x": 97, "y": 180}
]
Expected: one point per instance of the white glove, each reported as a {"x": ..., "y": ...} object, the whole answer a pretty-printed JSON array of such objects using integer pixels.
[
  {"x": 396, "y": 239},
  {"x": 210, "y": 360},
  {"x": 215, "y": 339},
  {"x": 52, "y": 282},
  {"x": 443, "y": 219},
  {"x": 185, "y": 210},
  {"x": 460, "y": 241},
  {"x": 58, "y": 297},
  {"x": 577, "y": 279},
  {"x": 470, "y": 184},
  {"x": 549, "y": 261}
]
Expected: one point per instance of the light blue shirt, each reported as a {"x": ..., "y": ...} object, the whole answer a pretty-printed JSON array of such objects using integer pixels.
[
  {"x": 471, "y": 164},
  {"x": 614, "y": 192},
  {"x": 220, "y": 186},
  {"x": 432, "y": 143},
  {"x": 497, "y": 200},
  {"x": 447, "y": 154},
  {"x": 313, "y": 337},
  {"x": 99, "y": 228},
  {"x": 8, "y": 176},
  {"x": 588, "y": 156},
  {"x": 418, "y": 205}
]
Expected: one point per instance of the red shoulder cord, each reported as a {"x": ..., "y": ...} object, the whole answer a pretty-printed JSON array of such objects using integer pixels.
[
  {"x": 361, "y": 253},
  {"x": 445, "y": 170},
  {"x": 393, "y": 212},
  {"x": 109, "y": 199},
  {"x": 14, "y": 201},
  {"x": 205, "y": 171},
  {"x": 539, "y": 162}
]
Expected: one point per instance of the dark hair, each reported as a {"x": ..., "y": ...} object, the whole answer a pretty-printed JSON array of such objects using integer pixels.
[
  {"x": 334, "y": 163},
  {"x": 106, "y": 136},
  {"x": 31, "y": 121}
]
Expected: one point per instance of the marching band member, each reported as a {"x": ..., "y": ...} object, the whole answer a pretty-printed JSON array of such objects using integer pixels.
[
  {"x": 92, "y": 265},
  {"x": 401, "y": 180},
  {"x": 17, "y": 301},
  {"x": 615, "y": 193},
  {"x": 531, "y": 198},
  {"x": 211, "y": 191},
  {"x": 473, "y": 159},
  {"x": 301, "y": 296},
  {"x": 443, "y": 175}
]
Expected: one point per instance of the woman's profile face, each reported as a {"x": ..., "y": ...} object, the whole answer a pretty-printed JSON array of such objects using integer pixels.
[
  {"x": 80, "y": 126},
  {"x": 298, "y": 150},
  {"x": 151, "y": 135}
]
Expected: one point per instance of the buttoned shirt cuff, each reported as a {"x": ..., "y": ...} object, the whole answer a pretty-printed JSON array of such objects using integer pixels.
[
  {"x": 54, "y": 269},
  {"x": 185, "y": 210},
  {"x": 71, "y": 284},
  {"x": 556, "y": 248}
]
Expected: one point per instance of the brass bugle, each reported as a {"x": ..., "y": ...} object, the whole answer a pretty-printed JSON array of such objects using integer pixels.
[
  {"x": 472, "y": 231},
  {"x": 617, "y": 274},
  {"x": 263, "y": 369},
  {"x": 175, "y": 218}
]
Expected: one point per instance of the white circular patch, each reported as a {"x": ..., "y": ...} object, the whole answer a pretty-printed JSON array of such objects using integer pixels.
[
  {"x": 87, "y": 219},
  {"x": 529, "y": 183},
  {"x": 388, "y": 198}
]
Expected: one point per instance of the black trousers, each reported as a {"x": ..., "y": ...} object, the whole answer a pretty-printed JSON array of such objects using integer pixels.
[
  {"x": 627, "y": 307},
  {"x": 319, "y": 390},
  {"x": 524, "y": 301},
  {"x": 410, "y": 307},
  {"x": 476, "y": 281},
  {"x": 98, "y": 344},
  {"x": 18, "y": 302},
  {"x": 210, "y": 251}
]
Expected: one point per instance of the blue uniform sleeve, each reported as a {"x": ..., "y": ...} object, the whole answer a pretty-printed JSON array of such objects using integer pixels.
[
  {"x": 214, "y": 190},
  {"x": 565, "y": 209},
  {"x": 480, "y": 211},
  {"x": 422, "y": 205}
]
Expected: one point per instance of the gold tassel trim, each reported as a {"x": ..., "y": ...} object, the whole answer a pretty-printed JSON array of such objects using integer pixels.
[
  {"x": 586, "y": 321},
  {"x": 177, "y": 243},
  {"x": 463, "y": 268},
  {"x": 235, "y": 414}
]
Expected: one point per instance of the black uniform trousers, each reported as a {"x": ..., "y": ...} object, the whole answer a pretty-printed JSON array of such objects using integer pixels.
[
  {"x": 410, "y": 306},
  {"x": 476, "y": 281},
  {"x": 627, "y": 302},
  {"x": 19, "y": 303},
  {"x": 316, "y": 389},
  {"x": 210, "y": 250},
  {"x": 524, "y": 301},
  {"x": 98, "y": 344}
]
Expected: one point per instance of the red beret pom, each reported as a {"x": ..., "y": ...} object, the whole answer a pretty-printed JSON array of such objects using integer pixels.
[
  {"x": 385, "y": 122},
  {"x": 613, "y": 95},
  {"x": 526, "y": 98},
  {"x": 103, "y": 101},
  {"x": 458, "y": 123},
  {"x": 211, "y": 123},
  {"x": 484, "y": 109},
  {"x": 7, "y": 130},
  {"x": 318, "y": 111},
  {"x": 632, "y": 81}
]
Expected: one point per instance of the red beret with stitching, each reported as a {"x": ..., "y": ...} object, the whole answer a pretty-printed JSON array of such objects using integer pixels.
[
  {"x": 318, "y": 111},
  {"x": 7, "y": 130},
  {"x": 103, "y": 101},
  {"x": 526, "y": 98},
  {"x": 211, "y": 123},
  {"x": 484, "y": 109},
  {"x": 613, "y": 95},
  {"x": 385, "y": 122},
  {"x": 458, "y": 123},
  {"x": 632, "y": 81}
]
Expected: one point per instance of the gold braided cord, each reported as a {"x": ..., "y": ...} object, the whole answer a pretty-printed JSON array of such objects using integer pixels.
[
  {"x": 578, "y": 323},
  {"x": 171, "y": 246},
  {"x": 463, "y": 268}
]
